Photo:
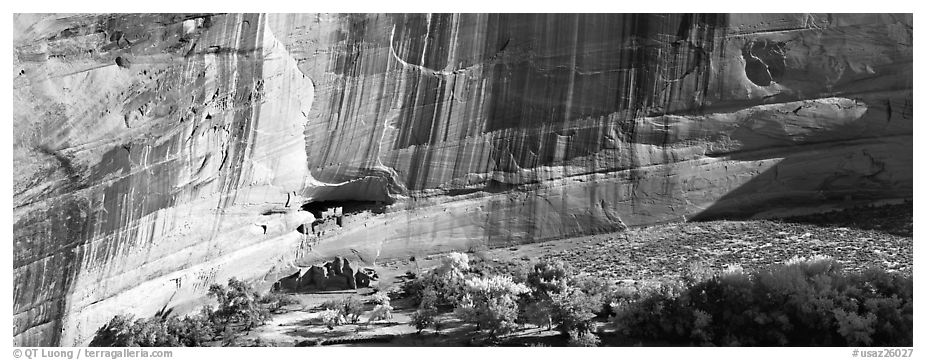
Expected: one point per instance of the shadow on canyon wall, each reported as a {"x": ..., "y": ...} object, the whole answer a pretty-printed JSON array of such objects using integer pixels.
[{"x": 860, "y": 162}]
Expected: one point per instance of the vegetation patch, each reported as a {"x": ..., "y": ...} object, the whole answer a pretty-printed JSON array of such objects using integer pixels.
[
  {"x": 804, "y": 302},
  {"x": 239, "y": 309}
]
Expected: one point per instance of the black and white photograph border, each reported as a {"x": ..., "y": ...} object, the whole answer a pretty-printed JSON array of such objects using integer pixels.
[{"x": 252, "y": 178}]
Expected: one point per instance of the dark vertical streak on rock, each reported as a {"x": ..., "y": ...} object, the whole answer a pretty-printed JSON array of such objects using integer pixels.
[
  {"x": 248, "y": 69},
  {"x": 54, "y": 238},
  {"x": 100, "y": 226}
]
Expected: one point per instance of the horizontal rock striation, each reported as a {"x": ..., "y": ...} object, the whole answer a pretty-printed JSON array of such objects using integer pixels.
[{"x": 155, "y": 154}]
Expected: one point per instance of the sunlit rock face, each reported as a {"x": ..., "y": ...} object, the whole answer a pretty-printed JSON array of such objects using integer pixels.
[{"x": 157, "y": 154}]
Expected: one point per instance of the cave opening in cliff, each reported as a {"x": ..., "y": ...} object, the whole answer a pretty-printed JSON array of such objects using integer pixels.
[{"x": 348, "y": 207}]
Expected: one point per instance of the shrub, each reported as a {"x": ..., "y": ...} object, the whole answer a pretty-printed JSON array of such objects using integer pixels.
[
  {"x": 654, "y": 315},
  {"x": 549, "y": 277},
  {"x": 383, "y": 308},
  {"x": 333, "y": 304},
  {"x": 274, "y": 302},
  {"x": 804, "y": 302},
  {"x": 696, "y": 272},
  {"x": 412, "y": 289},
  {"x": 597, "y": 291},
  {"x": 429, "y": 299},
  {"x": 207, "y": 315},
  {"x": 237, "y": 304},
  {"x": 856, "y": 329},
  {"x": 395, "y": 292},
  {"x": 192, "y": 330},
  {"x": 331, "y": 318},
  {"x": 616, "y": 296},
  {"x": 583, "y": 339},
  {"x": 381, "y": 312},
  {"x": 229, "y": 337},
  {"x": 349, "y": 308},
  {"x": 352, "y": 308},
  {"x": 410, "y": 275},
  {"x": 515, "y": 269},
  {"x": 117, "y": 332},
  {"x": 380, "y": 298},
  {"x": 426, "y": 314},
  {"x": 423, "y": 318},
  {"x": 154, "y": 332},
  {"x": 453, "y": 262}
]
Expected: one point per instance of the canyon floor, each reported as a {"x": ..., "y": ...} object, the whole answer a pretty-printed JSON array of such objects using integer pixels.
[{"x": 858, "y": 238}]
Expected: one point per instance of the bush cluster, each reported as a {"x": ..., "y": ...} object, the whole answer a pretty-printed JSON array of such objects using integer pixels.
[
  {"x": 499, "y": 298},
  {"x": 560, "y": 297},
  {"x": 238, "y": 307},
  {"x": 275, "y": 302},
  {"x": 800, "y": 303},
  {"x": 382, "y": 309},
  {"x": 340, "y": 311},
  {"x": 491, "y": 303},
  {"x": 123, "y": 330},
  {"x": 446, "y": 281},
  {"x": 331, "y": 318},
  {"x": 349, "y": 308}
]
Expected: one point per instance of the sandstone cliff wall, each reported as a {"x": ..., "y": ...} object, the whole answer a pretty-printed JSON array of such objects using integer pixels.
[{"x": 155, "y": 154}]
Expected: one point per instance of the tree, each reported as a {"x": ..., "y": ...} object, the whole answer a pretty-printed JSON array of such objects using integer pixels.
[
  {"x": 560, "y": 297},
  {"x": 238, "y": 305},
  {"x": 192, "y": 330},
  {"x": 383, "y": 308},
  {"x": 118, "y": 332},
  {"x": 154, "y": 332},
  {"x": 161, "y": 330},
  {"x": 572, "y": 310},
  {"x": 803, "y": 302},
  {"x": 491, "y": 303},
  {"x": 331, "y": 318},
  {"x": 349, "y": 308},
  {"x": 446, "y": 281},
  {"x": 352, "y": 309},
  {"x": 539, "y": 313},
  {"x": 424, "y": 317}
]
